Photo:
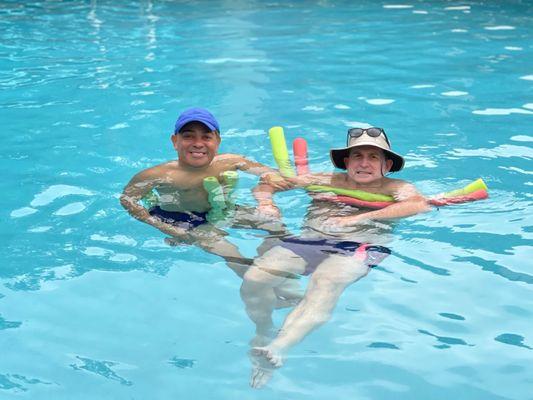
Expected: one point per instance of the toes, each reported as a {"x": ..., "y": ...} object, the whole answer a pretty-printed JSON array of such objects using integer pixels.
[{"x": 276, "y": 361}]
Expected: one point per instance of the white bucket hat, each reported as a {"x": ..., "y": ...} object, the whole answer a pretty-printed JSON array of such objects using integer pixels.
[{"x": 364, "y": 139}]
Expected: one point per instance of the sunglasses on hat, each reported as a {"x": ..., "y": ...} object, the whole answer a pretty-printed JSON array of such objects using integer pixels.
[{"x": 372, "y": 132}]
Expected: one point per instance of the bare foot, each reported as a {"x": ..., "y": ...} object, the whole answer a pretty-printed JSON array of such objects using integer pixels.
[
  {"x": 262, "y": 368},
  {"x": 274, "y": 357}
]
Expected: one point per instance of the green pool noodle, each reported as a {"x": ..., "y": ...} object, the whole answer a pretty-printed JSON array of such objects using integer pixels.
[
  {"x": 215, "y": 196},
  {"x": 358, "y": 194},
  {"x": 280, "y": 152},
  {"x": 478, "y": 184},
  {"x": 472, "y": 187},
  {"x": 230, "y": 179}
]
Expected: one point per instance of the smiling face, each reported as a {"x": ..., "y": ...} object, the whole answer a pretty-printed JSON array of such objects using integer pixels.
[
  {"x": 196, "y": 145},
  {"x": 366, "y": 164}
]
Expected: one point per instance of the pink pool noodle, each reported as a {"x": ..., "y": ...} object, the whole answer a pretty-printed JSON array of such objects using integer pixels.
[
  {"x": 443, "y": 201},
  {"x": 299, "y": 149}
]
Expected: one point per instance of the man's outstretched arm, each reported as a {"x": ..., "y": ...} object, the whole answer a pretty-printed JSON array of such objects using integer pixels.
[{"x": 409, "y": 202}]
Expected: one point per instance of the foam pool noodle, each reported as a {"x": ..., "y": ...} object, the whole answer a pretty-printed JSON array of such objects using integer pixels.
[
  {"x": 470, "y": 188},
  {"x": 280, "y": 152},
  {"x": 476, "y": 190},
  {"x": 230, "y": 178},
  {"x": 215, "y": 196},
  {"x": 358, "y": 194},
  {"x": 299, "y": 149}
]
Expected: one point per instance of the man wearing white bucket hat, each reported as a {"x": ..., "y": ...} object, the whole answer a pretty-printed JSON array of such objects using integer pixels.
[{"x": 338, "y": 245}]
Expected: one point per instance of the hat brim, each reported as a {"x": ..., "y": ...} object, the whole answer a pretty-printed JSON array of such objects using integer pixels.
[{"x": 338, "y": 155}]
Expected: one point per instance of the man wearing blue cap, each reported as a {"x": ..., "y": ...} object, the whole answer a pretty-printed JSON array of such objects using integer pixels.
[{"x": 183, "y": 203}]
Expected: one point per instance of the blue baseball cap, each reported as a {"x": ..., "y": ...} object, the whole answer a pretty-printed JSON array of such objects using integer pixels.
[{"x": 196, "y": 114}]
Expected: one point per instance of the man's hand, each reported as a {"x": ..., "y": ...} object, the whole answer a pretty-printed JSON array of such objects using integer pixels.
[
  {"x": 276, "y": 181},
  {"x": 345, "y": 221},
  {"x": 177, "y": 233},
  {"x": 303, "y": 180},
  {"x": 268, "y": 210}
]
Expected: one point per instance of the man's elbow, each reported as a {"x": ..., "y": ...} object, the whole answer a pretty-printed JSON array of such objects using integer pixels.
[
  {"x": 125, "y": 201},
  {"x": 422, "y": 205}
]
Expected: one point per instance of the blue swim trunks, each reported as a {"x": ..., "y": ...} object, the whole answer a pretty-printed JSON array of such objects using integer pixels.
[
  {"x": 314, "y": 251},
  {"x": 186, "y": 220}
]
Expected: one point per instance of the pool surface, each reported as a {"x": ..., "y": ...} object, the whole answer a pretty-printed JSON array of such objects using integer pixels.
[{"x": 94, "y": 305}]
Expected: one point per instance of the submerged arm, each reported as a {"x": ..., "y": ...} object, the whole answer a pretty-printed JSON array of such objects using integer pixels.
[
  {"x": 140, "y": 185},
  {"x": 270, "y": 182},
  {"x": 405, "y": 208},
  {"x": 264, "y": 191},
  {"x": 263, "y": 194}
]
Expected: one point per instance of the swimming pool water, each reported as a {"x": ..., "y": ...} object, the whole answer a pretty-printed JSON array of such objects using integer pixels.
[{"x": 93, "y": 304}]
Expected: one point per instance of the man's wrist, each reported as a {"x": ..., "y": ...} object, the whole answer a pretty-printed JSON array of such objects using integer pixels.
[{"x": 266, "y": 202}]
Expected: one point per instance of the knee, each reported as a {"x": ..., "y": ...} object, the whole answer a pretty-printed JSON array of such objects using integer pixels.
[
  {"x": 249, "y": 295},
  {"x": 254, "y": 276},
  {"x": 254, "y": 283}
]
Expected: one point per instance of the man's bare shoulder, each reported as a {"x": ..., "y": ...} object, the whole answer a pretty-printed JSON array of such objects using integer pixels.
[
  {"x": 229, "y": 158},
  {"x": 339, "y": 179},
  {"x": 229, "y": 161},
  {"x": 327, "y": 178},
  {"x": 157, "y": 172}
]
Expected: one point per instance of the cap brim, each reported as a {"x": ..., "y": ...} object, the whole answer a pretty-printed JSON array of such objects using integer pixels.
[{"x": 338, "y": 155}]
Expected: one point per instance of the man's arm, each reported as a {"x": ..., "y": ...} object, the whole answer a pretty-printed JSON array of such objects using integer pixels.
[
  {"x": 405, "y": 208},
  {"x": 409, "y": 202},
  {"x": 268, "y": 175},
  {"x": 263, "y": 193},
  {"x": 135, "y": 190}
]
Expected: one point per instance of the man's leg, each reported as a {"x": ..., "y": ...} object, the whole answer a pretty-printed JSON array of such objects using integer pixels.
[
  {"x": 213, "y": 240},
  {"x": 276, "y": 268},
  {"x": 248, "y": 218},
  {"x": 326, "y": 285}
]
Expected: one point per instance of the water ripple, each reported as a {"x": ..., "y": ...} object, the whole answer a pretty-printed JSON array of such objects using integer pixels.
[
  {"x": 101, "y": 368},
  {"x": 54, "y": 192}
]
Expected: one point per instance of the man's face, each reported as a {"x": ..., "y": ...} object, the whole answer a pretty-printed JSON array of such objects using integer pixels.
[
  {"x": 366, "y": 164},
  {"x": 196, "y": 145}
]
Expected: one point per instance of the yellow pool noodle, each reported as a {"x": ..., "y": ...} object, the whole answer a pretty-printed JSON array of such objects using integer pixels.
[
  {"x": 280, "y": 152},
  {"x": 478, "y": 184},
  {"x": 355, "y": 193}
]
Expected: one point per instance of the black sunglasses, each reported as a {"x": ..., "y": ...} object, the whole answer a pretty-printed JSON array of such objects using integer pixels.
[{"x": 372, "y": 132}]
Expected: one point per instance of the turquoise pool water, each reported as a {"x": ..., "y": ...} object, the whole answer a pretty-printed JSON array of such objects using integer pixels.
[{"x": 93, "y": 305}]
